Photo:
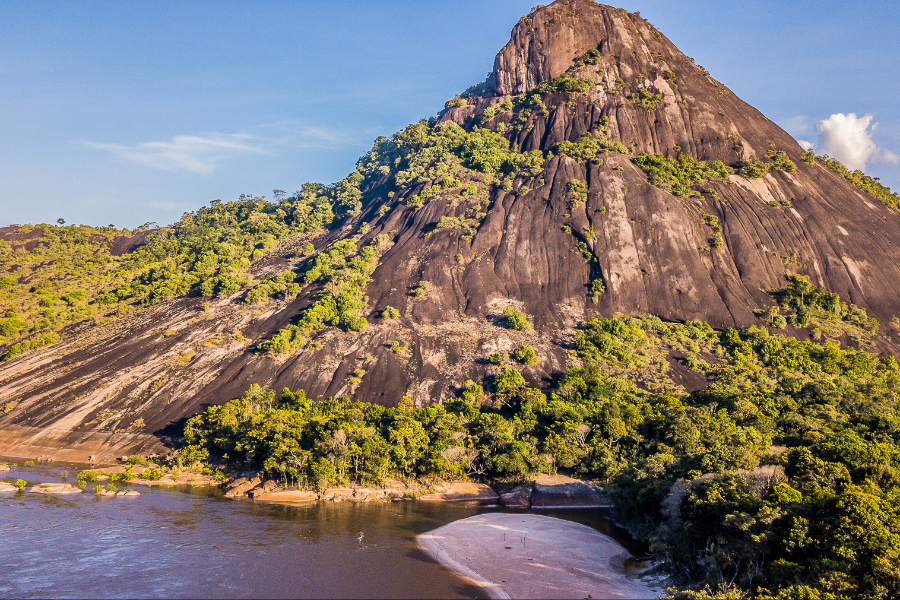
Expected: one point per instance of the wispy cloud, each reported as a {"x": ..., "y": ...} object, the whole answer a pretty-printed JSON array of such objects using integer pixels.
[
  {"x": 293, "y": 133},
  {"x": 797, "y": 125},
  {"x": 848, "y": 138},
  {"x": 191, "y": 153}
]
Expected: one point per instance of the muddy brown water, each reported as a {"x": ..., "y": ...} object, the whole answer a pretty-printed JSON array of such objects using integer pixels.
[{"x": 194, "y": 543}]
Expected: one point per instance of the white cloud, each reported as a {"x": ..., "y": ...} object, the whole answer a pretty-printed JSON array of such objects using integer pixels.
[
  {"x": 848, "y": 138},
  {"x": 805, "y": 145},
  {"x": 883, "y": 155},
  {"x": 191, "y": 153}
]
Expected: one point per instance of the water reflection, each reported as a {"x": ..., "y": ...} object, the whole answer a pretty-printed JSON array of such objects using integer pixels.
[{"x": 195, "y": 543}]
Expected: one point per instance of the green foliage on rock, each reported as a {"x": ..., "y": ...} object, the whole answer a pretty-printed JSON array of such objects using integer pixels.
[
  {"x": 342, "y": 270},
  {"x": 513, "y": 319},
  {"x": 753, "y": 168},
  {"x": 678, "y": 176},
  {"x": 646, "y": 99},
  {"x": 781, "y": 161},
  {"x": 803, "y": 304},
  {"x": 870, "y": 185},
  {"x": 526, "y": 355}
]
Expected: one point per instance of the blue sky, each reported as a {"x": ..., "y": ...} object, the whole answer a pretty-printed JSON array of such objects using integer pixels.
[{"x": 127, "y": 112}]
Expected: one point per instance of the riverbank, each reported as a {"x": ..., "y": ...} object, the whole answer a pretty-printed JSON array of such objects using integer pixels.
[{"x": 535, "y": 556}]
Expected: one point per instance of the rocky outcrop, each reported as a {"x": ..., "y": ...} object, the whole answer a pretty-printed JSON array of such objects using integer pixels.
[
  {"x": 241, "y": 486},
  {"x": 464, "y": 492},
  {"x": 7, "y": 487},
  {"x": 519, "y": 497},
  {"x": 559, "y": 491},
  {"x": 60, "y": 489},
  {"x": 287, "y": 496}
]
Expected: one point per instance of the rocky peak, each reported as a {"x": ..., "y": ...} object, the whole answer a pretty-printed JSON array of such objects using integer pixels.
[{"x": 545, "y": 42}]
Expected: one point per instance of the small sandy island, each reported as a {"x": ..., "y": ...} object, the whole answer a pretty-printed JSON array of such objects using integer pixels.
[{"x": 534, "y": 556}]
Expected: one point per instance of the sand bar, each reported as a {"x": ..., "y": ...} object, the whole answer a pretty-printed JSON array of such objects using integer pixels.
[{"x": 534, "y": 556}]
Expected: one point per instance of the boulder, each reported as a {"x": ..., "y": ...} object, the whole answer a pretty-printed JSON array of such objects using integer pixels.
[
  {"x": 55, "y": 488},
  {"x": 464, "y": 491},
  {"x": 241, "y": 489},
  {"x": 337, "y": 494},
  {"x": 4, "y": 467},
  {"x": 132, "y": 493},
  {"x": 236, "y": 482},
  {"x": 7, "y": 487},
  {"x": 287, "y": 496},
  {"x": 520, "y": 497},
  {"x": 269, "y": 486},
  {"x": 559, "y": 491}
]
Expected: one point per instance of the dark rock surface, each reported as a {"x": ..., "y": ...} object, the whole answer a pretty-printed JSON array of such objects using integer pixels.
[
  {"x": 558, "y": 491},
  {"x": 647, "y": 243}
]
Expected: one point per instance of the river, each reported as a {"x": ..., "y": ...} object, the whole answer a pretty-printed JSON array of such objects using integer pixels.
[{"x": 188, "y": 543}]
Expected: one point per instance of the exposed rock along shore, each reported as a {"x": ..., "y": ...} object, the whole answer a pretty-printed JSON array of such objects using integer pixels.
[{"x": 547, "y": 491}]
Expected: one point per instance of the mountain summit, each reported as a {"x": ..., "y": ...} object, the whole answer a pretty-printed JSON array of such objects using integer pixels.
[{"x": 597, "y": 172}]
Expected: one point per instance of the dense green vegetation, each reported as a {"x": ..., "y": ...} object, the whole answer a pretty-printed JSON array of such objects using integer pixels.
[
  {"x": 678, "y": 176},
  {"x": 779, "y": 478},
  {"x": 70, "y": 276},
  {"x": 55, "y": 283}
]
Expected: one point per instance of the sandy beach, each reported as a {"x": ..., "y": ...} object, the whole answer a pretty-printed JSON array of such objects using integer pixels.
[{"x": 534, "y": 556}]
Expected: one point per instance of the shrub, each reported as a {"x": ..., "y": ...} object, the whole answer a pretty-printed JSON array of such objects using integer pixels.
[
  {"x": 525, "y": 354},
  {"x": 597, "y": 288},
  {"x": 781, "y": 161},
  {"x": 578, "y": 192},
  {"x": 646, "y": 99},
  {"x": 513, "y": 319},
  {"x": 420, "y": 289},
  {"x": 753, "y": 168},
  {"x": 531, "y": 164},
  {"x": 389, "y": 313},
  {"x": 497, "y": 358},
  {"x": 353, "y": 323},
  {"x": 486, "y": 151},
  {"x": 20, "y": 484},
  {"x": 508, "y": 380},
  {"x": 456, "y": 101}
]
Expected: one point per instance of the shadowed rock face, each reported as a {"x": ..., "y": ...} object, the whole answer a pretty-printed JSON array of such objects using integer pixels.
[{"x": 647, "y": 245}]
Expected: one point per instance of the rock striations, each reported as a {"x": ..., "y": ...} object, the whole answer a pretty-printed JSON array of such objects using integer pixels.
[{"x": 584, "y": 231}]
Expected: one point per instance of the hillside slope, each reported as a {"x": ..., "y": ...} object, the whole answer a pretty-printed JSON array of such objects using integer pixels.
[{"x": 597, "y": 171}]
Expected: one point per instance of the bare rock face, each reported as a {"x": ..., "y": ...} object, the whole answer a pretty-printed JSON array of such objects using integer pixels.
[
  {"x": 287, "y": 496},
  {"x": 462, "y": 492},
  {"x": 520, "y": 497},
  {"x": 650, "y": 248},
  {"x": 545, "y": 42},
  {"x": 240, "y": 489},
  {"x": 558, "y": 491}
]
